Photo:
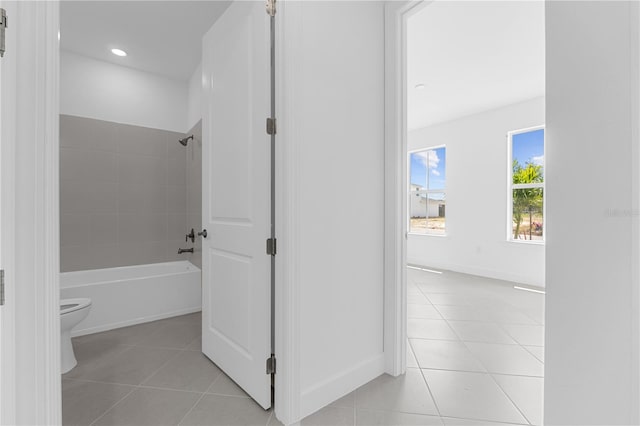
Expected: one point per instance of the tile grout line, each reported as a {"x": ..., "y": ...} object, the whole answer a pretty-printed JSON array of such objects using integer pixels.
[
  {"x": 171, "y": 358},
  {"x": 511, "y": 400},
  {"x": 501, "y": 328},
  {"x": 475, "y": 371},
  {"x": 482, "y": 420},
  {"x": 191, "y": 409},
  {"x": 435, "y": 404},
  {"x": 534, "y": 355},
  {"x": 134, "y": 387}
]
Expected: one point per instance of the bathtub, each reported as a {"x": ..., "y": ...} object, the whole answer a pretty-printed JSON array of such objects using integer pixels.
[{"x": 133, "y": 294}]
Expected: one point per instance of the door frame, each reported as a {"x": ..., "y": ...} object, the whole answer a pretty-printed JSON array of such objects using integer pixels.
[
  {"x": 32, "y": 392},
  {"x": 7, "y": 231},
  {"x": 395, "y": 227}
]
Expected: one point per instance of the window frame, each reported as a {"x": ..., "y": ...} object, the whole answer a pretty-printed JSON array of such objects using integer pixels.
[
  {"x": 511, "y": 186},
  {"x": 424, "y": 191}
]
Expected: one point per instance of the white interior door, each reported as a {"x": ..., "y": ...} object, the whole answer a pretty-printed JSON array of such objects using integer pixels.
[{"x": 236, "y": 303}]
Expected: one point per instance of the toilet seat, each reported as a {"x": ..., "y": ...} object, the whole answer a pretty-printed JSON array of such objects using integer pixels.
[{"x": 71, "y": 305}]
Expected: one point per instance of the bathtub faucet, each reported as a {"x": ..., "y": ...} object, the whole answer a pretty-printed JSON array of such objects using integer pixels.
[{"x": 181, "y": 250}]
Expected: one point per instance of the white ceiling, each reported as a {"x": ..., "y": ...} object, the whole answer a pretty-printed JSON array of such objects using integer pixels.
[
  {"x": 162, "y": 37},
  {"x": 473, "y": 57}
]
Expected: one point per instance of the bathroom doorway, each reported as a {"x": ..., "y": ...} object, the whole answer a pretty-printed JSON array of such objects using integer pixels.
[{"x": 131, "y": 149}]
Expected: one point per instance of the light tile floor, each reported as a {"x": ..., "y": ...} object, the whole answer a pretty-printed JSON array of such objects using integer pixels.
[{"x": 475, "y": 357}]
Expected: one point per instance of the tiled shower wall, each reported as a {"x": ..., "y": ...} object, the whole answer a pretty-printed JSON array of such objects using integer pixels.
[
  {"x": 194, "y": 190},
  {"x": 123, "y": 195}
]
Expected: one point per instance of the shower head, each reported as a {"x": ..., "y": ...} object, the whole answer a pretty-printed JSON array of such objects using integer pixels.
[{"x": 184, "y": 141}]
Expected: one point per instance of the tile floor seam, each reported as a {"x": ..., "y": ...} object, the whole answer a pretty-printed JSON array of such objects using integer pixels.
[
  {"x": 424, "y": 295},
  {"x": 227, "y": 395},
  {"x": 512, "y": 401},
  {"x": 101, "y": 382},
  {"x": 522, "y": 344},
  {"x": 534, "y": 355},
  {"x": 171, "y": 358},
  {"x": 505, "y": 374},
  {"x": 480, "y": 420},
  {"x": 161, "y": 347},
  {"x": 104, "y": 361},
  {"x": 515, "y": 342},
  {"x": 191, "y": 409},
  {"x": 139, "y": 386},
  {"x": 133, "y": 388},
  {"x": 143, "y": 386},
  {"x": 435, "y": 404}
]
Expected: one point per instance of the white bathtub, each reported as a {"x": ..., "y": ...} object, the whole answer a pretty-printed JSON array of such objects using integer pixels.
[{"x": 134, "y": 294}]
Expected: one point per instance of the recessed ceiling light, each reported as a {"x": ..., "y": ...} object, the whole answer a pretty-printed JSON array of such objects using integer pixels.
[
  {"x": 118, "y": 52},
  {"x": 419, "y": 86}
]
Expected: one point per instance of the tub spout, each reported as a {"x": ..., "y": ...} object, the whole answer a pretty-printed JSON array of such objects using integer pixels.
[{"x": 181, "y": 250}]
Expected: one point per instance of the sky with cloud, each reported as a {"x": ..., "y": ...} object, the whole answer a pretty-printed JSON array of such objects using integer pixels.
[
  {"x": 428, "y": 168},
  {"x": 529, "y": 147}
]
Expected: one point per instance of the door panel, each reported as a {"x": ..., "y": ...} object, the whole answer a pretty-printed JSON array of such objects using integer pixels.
[{"x": 236, "y": 198}]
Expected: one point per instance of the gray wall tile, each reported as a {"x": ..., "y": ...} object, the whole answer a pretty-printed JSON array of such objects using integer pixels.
[
  {"x": 102, "y": 167},
  {"x": 123, "y": 190},
  {"x": 139, "y": 227},
  {"x": 103, "y": 228},
  {"x": 142, "y": 198},
  {"x": 176, "y": 171},
  {"x": 142, "y": 169},
  {"x": 73, "y": 165},
  {"x": 177, "y": 198},
  {"x": 194, "y": 190},
  {"x": 174, "y": 149},
  {"x": 74, "y": 258},
  {"x": 74, "y": 229},
  {"x": 142, "y": 141},
  {"x": 87, "y": 133},
  {"x": 104, "y": 256},
  {"x": 177, "y": 226},
  {"x": 143, "y": 253}
]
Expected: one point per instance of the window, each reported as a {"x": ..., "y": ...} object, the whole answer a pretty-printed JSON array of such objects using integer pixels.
[
  {"x": 526, "y": 185},
  {"x": 427, "y": 195}
]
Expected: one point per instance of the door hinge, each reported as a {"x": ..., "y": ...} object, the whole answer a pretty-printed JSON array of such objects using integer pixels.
[
  {"x": 271, "y": 365},
  {"x": 1, "y": 287},
  {"x": 3, "y": 26},
  {"x": 271, "y": 126},
  {"x": 271, "y": 246},
  {"x": 271, "y": 7}
]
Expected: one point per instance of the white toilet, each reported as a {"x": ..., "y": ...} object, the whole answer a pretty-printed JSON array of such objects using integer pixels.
[{"x": 72, "y": 311}]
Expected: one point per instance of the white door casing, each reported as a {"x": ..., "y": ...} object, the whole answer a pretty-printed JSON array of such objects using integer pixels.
[
  {"x": 30, "y": 369},
  {"x": 7, "y": 339},
  {"x": 236, "y": 328}
]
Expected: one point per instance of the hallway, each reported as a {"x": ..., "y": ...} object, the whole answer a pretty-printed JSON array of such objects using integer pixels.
[{"x": 475, "y": 357}]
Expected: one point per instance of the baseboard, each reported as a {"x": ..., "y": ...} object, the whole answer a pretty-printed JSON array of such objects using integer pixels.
[
  {"x": 339, "y": 385},
  {"x": 142, "y": 320},
  {"x": 481, "y": 272}
]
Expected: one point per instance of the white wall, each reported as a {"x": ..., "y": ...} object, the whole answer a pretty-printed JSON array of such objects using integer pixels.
[
  {"x": 333, "y": 127},
  {"x": 591, "y": 357},
  {"x": 476, "y": 212},
  {"x": 101, "y": 90},
  {"x": 194, "y": 98}
]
